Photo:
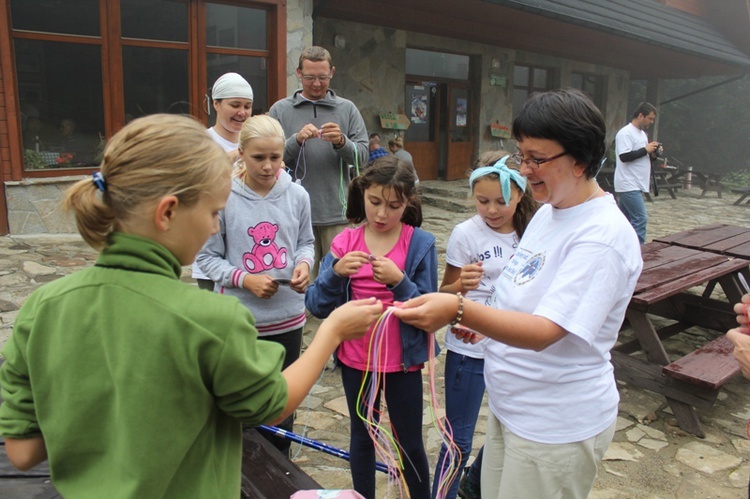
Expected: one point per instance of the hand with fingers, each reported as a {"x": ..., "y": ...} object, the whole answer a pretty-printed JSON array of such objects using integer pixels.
[
  {"x": 261, "y": 285},
  {"x": 471, "y": 276},
  {"x": 385, "y": 271},
  {"x": 350, "y": 263},
  {"x": 352, "y": 319},
  {"x": 300, "y": 277}
]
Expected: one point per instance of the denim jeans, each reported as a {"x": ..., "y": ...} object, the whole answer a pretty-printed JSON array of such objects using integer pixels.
[
  {"x": 632, "y": 206},
  {"x": 464, "y": 389}
]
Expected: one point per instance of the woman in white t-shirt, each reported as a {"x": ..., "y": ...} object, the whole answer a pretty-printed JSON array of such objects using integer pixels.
[
  {"x": 555, "y": 313},
  {"x": 232, "y": 99}
]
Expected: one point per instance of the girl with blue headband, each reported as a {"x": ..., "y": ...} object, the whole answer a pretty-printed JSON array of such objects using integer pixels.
[{"x": 477, "y": 251}]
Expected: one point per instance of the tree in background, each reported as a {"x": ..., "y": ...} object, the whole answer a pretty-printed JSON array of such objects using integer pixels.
[{"x": 708, "y": 130}]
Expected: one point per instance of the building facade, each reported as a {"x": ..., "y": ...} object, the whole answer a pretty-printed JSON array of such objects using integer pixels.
[{"x": 72, "y": 72}]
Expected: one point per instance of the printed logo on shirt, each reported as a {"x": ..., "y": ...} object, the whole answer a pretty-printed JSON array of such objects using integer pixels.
[
  {"x": 265, "y": 255},
  {"x": 495, "y": 252},
  {"x": 523, "y": 267}
]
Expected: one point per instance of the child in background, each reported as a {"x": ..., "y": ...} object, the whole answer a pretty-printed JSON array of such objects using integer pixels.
[
  {"x": 476, "y": 253},
  {"x": 264, "y": 249},
  {"x": 390, "y": 258},
  {"x": 130, "y": 382}
]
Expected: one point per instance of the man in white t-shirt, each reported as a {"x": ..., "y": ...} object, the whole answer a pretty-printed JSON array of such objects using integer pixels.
[{"x": 634, "y": 153}]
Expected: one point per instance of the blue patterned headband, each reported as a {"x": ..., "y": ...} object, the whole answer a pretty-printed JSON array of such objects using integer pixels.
[{"x": 505, "y": 175}]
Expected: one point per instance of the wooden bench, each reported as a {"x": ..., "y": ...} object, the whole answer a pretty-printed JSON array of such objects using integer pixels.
[
  {"x": 267, "y": 473},
  {"x": 665, "y": 289},
  {"x": 743, "y": 192},
  {"x": 710, "y": 366}
]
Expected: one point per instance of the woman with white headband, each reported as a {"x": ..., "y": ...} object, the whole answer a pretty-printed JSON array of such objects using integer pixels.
[{"x": 232, "y": 98}]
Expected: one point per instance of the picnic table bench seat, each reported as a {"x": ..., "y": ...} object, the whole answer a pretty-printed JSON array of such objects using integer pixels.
[
  {"x": 267, "y": 473},
  {"x": 665, "y": 289},
  {"x": 710, "y": 366},
  {"x": 744, "y": 192}
]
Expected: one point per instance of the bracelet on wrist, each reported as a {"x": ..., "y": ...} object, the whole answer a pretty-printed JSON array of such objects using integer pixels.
[{"x": 460, "y": 311}]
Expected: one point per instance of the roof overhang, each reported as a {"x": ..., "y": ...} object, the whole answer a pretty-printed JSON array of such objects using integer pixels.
[{"x": 643, "y": 37}]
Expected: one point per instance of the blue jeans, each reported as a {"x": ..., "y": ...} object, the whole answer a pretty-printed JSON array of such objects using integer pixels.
[
  {"x": 464, "y": 389},
  {"x": 632, "y": 206}
]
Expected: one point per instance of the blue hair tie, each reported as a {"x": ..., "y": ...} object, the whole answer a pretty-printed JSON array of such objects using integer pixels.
[
  {"x": 99, "y": 181},
  {"x": 505, "y": 175}
]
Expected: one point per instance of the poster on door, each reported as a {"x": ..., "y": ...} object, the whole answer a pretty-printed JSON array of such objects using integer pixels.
[
  {"x": 461, "y": 110},
  {"x": 418, "y": 108}
]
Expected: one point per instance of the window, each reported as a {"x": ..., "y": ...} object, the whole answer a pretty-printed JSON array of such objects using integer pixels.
[
  {"x": 154, "y": 19},
  {"x": 237, "y": 39},
  {"x": 592, "y": 85},
  {"x": 77, "y": 83},
  {"x": 62, "y": 107},
  {"x": 437, "y": 64},
  {"x": 528, "y": 80}
]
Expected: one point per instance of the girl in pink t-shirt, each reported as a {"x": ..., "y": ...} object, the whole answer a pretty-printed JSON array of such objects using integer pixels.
[{"x": 390, "y": 258}]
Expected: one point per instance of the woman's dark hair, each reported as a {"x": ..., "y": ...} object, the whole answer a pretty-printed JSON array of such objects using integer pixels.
[
  {"x": 388, "y": 171},
  {"x": 568, "y": 117},
  {"x": 526, "y": 206}
]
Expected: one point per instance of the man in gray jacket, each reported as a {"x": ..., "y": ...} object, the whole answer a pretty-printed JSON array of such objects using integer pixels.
[{"x": 326, "y": 144}]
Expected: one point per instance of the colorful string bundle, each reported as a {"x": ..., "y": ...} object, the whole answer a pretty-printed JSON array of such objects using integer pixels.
[
  {"x": 387, "y": 448},
  {"x": 449, "y": 469}
]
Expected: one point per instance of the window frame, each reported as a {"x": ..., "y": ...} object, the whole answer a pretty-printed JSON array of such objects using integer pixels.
[
  {"x": 600, "y": 82},
  {"x": 111, "y": 42},
  {"x": 530, "y": 88}
]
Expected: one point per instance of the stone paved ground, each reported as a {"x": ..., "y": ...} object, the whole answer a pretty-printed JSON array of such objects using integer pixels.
[{"x": 650, "y": 458}]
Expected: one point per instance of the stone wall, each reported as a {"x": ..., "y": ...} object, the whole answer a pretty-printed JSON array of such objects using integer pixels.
[
  {"x": 34, "y": 206},
  {"x": 370, "y": 71},
  {"x": 299, "y": 26}
]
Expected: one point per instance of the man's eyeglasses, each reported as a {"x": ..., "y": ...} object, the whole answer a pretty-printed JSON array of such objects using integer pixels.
[
  {"x": 533, "y": 162},
  {"x": 311, "y": 78}
]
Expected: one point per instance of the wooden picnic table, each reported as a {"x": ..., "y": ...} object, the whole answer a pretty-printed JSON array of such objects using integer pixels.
[
  {"x": 730, "y": 240},
  {"x": 661, "y": 180},
  {"x": 744, "y": 192},
  {"x": 669, "y": 271},
  {"x": 708, "y": 181}
]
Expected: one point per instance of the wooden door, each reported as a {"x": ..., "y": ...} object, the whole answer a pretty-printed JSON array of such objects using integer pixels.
[
  {"x": 460, "y": 137},
  {"x": 420, "y": 139}
]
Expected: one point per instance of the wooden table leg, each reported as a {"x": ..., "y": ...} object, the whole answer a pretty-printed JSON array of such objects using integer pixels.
[{"x": 645, "y": 332}]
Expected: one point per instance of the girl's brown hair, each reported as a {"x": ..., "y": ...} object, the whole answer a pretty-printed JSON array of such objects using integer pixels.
[
  {"x": 151, "y": 157},
  {"x": 387, "y": 171},
  {"x": 526, "y": 206}
]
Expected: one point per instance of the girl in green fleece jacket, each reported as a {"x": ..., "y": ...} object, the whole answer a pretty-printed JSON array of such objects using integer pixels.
[{"x": 132, "y": 383}]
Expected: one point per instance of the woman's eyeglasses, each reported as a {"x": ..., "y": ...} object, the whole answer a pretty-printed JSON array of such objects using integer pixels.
[{"x": 533, "y": 162}]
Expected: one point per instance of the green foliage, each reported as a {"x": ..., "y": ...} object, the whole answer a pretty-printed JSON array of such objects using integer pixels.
[
  {"x": 708, "y": 129},
  {"x": 737, "y": 178},
  {"x": 33, "y": 159}
]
